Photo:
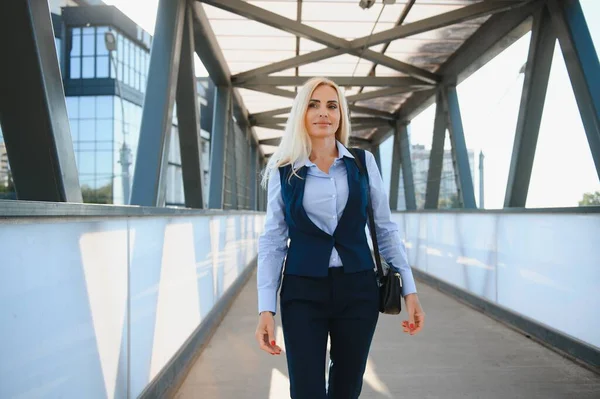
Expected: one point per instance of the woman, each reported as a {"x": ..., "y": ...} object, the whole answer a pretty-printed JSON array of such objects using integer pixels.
[{"x": 317, "y": 198}]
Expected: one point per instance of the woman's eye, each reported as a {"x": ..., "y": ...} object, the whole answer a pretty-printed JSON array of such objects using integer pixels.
[
  {"x": 333, "y": 106},
  {"x": 312, "y": 105}
]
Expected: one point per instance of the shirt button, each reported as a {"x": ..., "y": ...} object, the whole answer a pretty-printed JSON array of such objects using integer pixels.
[
  {"x": 333, "y": 196},
  {"x": 331, "y": 178}
]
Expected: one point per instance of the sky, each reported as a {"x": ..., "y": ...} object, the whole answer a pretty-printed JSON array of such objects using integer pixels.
[{"x": 563, "y": 168}]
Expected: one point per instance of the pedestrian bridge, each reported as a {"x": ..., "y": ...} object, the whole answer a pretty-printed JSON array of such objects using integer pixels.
[{"x": 144, "y": 298}]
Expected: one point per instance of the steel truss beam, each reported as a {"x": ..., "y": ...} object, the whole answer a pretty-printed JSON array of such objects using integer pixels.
[
  {"x": 335, "y": 44},
  {"x": 494, "y": 36},
  {"x": 581, "y": 59},
  {"x": 155, "y": 131},
  {"x": 189, "y": 120},
  {"x": 344, "y": 81},
  {"x": 218, "y": 142},
  {"x": 460, "y": 156},
  {"x": 33, "y": 111},
  {"x": 210, "y": 53},
  {"x": 537, "y": 72},
  {"x": 406, "y": 162},
  {"x": 436, "y": 155},
  {"x": 339, "y": 46}
]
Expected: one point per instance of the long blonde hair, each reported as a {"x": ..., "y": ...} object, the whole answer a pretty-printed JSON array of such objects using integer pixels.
[{"x": 295, "y": 143}]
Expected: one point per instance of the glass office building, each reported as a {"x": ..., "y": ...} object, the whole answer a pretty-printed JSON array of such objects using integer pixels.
[{"x": 104, "y": 95}]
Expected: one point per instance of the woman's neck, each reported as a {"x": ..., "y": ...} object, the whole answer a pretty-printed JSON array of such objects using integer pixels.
[{"x": 323, "y": 149}]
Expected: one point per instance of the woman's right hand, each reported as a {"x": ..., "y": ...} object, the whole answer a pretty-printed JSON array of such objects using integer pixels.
[{"x": 265, "y": 333}]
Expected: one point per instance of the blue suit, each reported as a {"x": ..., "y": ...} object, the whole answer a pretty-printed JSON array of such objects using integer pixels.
[{"x": 317, "y": 300}]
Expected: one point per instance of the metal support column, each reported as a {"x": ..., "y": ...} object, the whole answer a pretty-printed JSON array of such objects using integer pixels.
[
  {"x": 33, "y": 111},
  {"x": 189, "y": 120},
  {"x": 581, "y": 58},
  {"x": 233, "y": 172},
  {"x": 395, "y": 170},
  {"x": 217, "y": 149},
  {"x": 436, "y": 156},
  {"x": 533, "y": 97},
  {"x": 377, "y": 154},
  {"x": 460, "y": 156},
  {"x": 406, "y": 161},
  {"x": 153, "y": 148},
  {"x": 253, "y": 177}
]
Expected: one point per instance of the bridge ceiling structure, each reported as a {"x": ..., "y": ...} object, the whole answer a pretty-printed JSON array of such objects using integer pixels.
[{"x": 389, "y": 59}]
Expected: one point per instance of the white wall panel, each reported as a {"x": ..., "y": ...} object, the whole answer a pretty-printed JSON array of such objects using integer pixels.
[
  {"x": 64, "y": 297},
  {"x": 545, "y": 266}
]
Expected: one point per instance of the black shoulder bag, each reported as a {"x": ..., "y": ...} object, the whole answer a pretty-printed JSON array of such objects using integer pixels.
[{"x": 390, "y": 282}]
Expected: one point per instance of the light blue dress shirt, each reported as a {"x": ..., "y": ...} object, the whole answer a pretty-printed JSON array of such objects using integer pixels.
[{"x": 325, "y": 196}]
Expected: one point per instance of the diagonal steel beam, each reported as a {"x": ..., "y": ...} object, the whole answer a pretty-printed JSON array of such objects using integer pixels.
[
  {"x": 188, "y": 117},
  {"x": 581, "y": 59},
  {"x": 496, "y": 34},
  {"x": 262, "y": 116},
  {"x": 33, "y": 111},
  {"x": 359, "y": 120},
  {"x": 372, "y": 112},
  {"x": 390, "y": 91},
  {"x": 149, "y": 180},
  {"x": 207, "y": 48},
  {"x": 533, "y": 96},
  {"x": 354, "y": 47},
  {"x": 335, "y": 44},
  {"x": 268, "y": 114},
  {"x": 344, "y": 81},
  {"x": 462, "y": 14}
]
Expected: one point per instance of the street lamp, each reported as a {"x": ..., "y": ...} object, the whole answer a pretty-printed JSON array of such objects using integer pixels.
[{"x": 124, "y": 153}]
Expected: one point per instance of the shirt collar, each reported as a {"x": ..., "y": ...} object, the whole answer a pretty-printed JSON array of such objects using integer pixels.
[{"x": 342, "y": 152}]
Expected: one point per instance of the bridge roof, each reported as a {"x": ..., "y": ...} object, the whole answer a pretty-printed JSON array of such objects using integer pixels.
[{"x": 389, "y": 58}]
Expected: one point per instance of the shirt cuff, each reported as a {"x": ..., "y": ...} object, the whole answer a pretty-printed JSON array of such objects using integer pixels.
[
  {"x": 267, "y": 300},
  {"x": 408, "y": 282}
]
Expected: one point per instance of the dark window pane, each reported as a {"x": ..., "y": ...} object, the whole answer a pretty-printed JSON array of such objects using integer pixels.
[
  {"x": 87, "y": 67},
  {"x": 88, "y": 45},
  {"x": 104, "y": 106},
  {"x": 104, "y": 130},
  {"x": 87, "y": 107},
  {"x": 75, "y": 67},
  {"x": 100, "y": 44},
  {"x": 102, "y": 67},
  {"x": 86, "y": 162},
  {"x": 73, "y": 107},
  {"x": 104, "y": 161},
  {"x": 76, "y": 45},
  {"x": 87, "y": 130}
]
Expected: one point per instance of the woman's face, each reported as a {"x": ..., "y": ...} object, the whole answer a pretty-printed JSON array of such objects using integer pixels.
[{"x": 322, "y": 117}]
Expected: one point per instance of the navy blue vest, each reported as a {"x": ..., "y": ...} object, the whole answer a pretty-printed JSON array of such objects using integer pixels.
[{"x": 310, "y": 247}]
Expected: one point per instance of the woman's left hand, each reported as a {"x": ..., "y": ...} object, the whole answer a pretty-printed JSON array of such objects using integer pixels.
[{"x": 416, "y": 316}]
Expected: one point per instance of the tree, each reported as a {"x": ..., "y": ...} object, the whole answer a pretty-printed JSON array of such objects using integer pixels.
[
  {"x": 101, "y": 195},
  {"x": 449, "y": 203},
  {"x": 590, "y": 199}
]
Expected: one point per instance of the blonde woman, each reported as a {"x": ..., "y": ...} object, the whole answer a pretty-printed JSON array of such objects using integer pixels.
[{"x": 317, "y": 199}]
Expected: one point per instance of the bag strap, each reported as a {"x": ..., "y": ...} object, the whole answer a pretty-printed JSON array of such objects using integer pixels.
[{"x": 363, "y": 171}]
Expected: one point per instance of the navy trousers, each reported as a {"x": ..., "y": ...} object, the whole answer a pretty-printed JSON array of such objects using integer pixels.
[{"x": 343, "y": 306}]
